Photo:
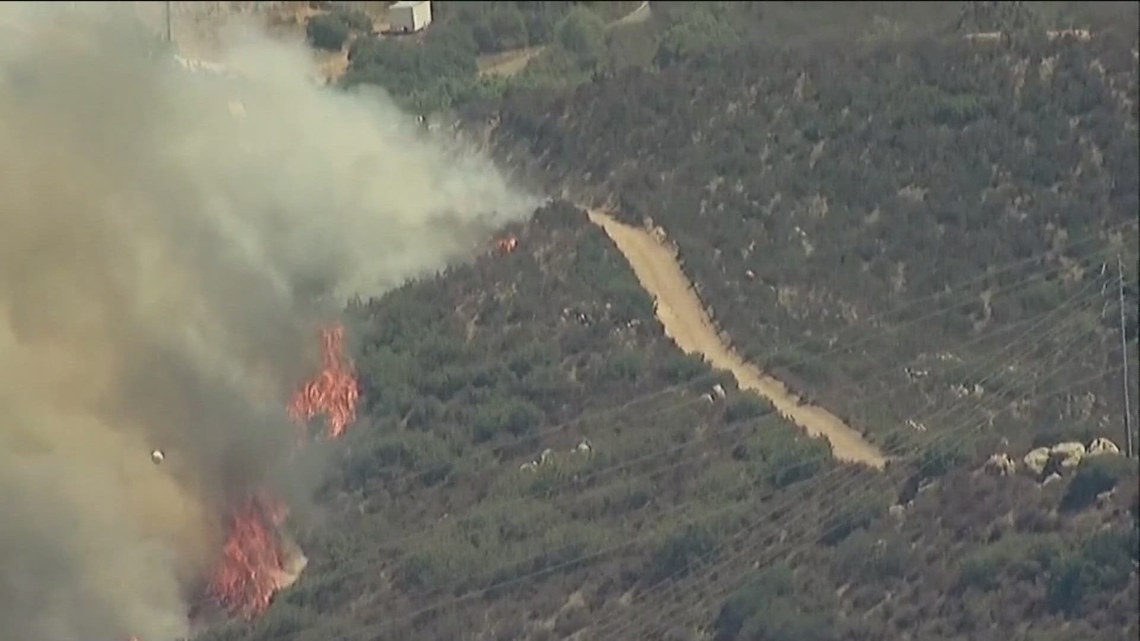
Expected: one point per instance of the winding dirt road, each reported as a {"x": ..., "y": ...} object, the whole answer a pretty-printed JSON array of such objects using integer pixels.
[{"x": 689, "y": 325}]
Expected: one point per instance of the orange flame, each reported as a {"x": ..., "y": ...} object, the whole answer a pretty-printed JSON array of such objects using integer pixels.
[
  {"x": 252, "y": 567},
  {"x": 333, "y": 392},
  {"x": 507, "y": 244}
]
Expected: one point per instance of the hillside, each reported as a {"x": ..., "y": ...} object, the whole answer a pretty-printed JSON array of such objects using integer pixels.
[
  {"x": 432, "y": 531},
  {"x": 808, "y": 190},
  {"x": 473, "y": 374},
  {"x": 916, "y": 231}
]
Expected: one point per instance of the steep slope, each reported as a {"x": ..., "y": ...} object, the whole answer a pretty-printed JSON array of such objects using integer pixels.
[
  {"x": 431, "y": 528},
  {"x": 832, "y": 207},
  {"x": 809, "y": 189},
  {"x": 687, "y": 323}
]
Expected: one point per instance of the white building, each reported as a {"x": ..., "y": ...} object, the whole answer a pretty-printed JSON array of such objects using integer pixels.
[{"x": 409, "y": 16}]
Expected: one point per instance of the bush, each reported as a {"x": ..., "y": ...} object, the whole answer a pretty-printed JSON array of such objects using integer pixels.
[
  {"x": 864, "y": 556},
  {"x": 847, "y": 520},
  {"x": 766, "y": 610},
  {"x": 1020, "y": 558},
  {"x": 941, "y": 457},
  {"x": 354, "y": 19},
  {"x": 745, "y": 406},
  {"x": 682, "y": 552},
  {"x": 1104, "y": 564},
  {"x": 770, "y": 585},
  {"x": 783, "y": 623},
  {"x": 681, "y": 368},
  {"x": 1094, "y": 476},
  {"x": 582, "y": 34},
  {"x": 516, "y": 417},
  {"x": 795, "y": 459},
  {"x": 327, "y": 31}
]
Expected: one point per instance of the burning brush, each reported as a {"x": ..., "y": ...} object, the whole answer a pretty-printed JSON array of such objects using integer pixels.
[{"x": 258, "y": 559}]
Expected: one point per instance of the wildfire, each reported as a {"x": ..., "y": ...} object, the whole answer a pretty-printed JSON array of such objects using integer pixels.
[
  {"x": 333, "y": 392},
  {"x": 507, "y": 244},
  {"x": 254, "y": 564}
]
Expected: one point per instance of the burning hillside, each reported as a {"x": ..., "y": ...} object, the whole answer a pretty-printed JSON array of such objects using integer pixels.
[
  {"x": 255, "y": 563},
  {"x": 162, "y": 267},
  {"x": 257, "y": 558}
]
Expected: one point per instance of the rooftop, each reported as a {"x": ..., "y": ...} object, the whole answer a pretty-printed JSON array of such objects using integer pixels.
[{"x": 407, "y": 4}]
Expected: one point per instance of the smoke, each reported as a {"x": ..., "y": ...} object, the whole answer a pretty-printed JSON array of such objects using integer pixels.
[{"x": 164, "y": 261}]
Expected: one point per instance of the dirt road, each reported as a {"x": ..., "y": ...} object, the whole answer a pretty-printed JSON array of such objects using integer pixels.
[
  {"x": 688, "y": 324},
  {"x": 511, "y": 62},
  {"x": 507, "y": 63},
  {"x": 638, "y": 15}
]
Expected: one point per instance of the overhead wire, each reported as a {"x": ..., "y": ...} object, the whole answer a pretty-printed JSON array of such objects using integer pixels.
[
  {"x": 501, "y": 585},
  {"x": 689, "y": 384},
  {"x": 743, "y": 426},
  {"x": 717, "y": 375},
  {"x": 959, "y": 402},
  {"x": 1057, "y": 352},
  {"x": 1063, "y": 306},
  {"x": 840, "y": 501},
  {"x": 391, "y": 622}
]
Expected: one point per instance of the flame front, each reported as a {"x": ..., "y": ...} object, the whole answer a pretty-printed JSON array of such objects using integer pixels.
[
  {"x": 333, "y": 392},
  {"x": 253, "y": 564}
]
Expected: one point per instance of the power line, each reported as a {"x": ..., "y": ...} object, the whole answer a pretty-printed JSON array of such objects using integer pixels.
[
  {"x": 600, "y": 554},
  {"x": 841, "y": 346},
  {"x": 1029, "y": 336},
  {"x": 949, "y": 307},
  {"x": 737, "y": 560},
  {"x": 1099, "y": 375},
  {"x": 844, "y": 500},
  {"x": 942, "y": 436},
  {"x": 1086, "y": 294}
]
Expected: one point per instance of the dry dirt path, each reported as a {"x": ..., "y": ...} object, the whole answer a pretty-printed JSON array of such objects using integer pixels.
[
  {"x": 638, "y": 15},
  {"x": 511, "y": 62},
  {"x": 689, "y": 325},
  {"x": 507, "y": 63}
]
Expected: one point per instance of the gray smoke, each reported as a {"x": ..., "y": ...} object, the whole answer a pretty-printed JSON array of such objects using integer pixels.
[{"x": 169, "y": 242}]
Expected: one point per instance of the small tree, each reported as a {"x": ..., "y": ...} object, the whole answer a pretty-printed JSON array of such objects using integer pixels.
[
  {"x": 328, "y": 32},
  {"x": 1095, "y": 475},
  {"x": 582, "y": 33}
]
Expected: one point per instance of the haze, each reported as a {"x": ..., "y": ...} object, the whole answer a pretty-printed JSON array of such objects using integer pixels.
[{"x": 164, "y": 262}]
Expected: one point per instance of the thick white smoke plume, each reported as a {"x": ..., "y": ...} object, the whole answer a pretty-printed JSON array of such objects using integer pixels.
[{"x": 163, "y": 262}]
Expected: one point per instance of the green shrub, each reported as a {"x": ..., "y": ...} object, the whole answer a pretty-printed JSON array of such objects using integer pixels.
[
  {"x": 770, "y": 586},
  {"x": 856, "y": 516},
  {"x": 682, "y": 552},
  {"x": 794, "y": 459},
  {"x": 746, "y": 406},
  {"x": 516, "y": 417},
  {"x": 681, "y": 368},
  {"x": 327, "y": 31},
  {"x": 1017, "y": 557},
  {"x": 1104, "y": 564},
  {"x": 1095, "y": 475},
  {"x": 942, "y": 456},
  {"x": 354, "y": 19}
]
